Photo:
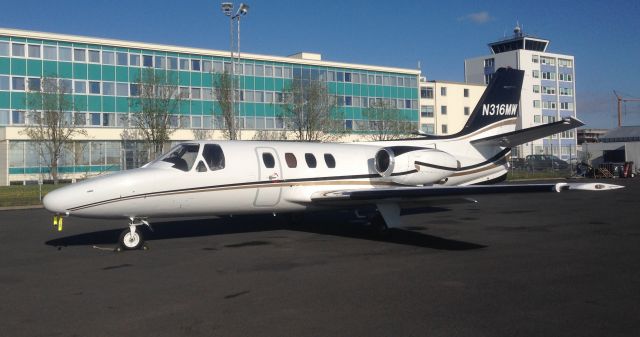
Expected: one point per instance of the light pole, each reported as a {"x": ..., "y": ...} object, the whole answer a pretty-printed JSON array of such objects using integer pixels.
[{"x": 227, "y": 9}]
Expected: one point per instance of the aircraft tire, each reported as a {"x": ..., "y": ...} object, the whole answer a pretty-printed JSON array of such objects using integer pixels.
[{"x": 129, "y": 242}]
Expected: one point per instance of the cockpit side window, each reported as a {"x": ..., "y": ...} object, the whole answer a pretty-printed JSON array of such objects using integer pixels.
[
  {"x": 214, "y": 156},
  {"x": 201, "y": 167},
  {"x": 183, "y": 156}
]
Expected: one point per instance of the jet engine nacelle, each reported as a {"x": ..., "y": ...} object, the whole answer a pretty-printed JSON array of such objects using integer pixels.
[{"x": 414, "y": 167}]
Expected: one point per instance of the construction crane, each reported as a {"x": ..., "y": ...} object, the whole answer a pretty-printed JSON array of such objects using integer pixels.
[{"x": 620, "y": 100}]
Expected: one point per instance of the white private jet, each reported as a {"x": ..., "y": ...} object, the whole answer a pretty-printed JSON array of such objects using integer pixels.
[{"x": 204, "y": 178}]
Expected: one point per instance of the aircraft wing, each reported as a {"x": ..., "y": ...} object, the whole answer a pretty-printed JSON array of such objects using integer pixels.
[
  {"x": 444, "y": 193},
  {"x": 518, "y": 137}
]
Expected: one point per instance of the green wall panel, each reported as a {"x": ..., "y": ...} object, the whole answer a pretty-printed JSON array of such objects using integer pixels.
[
  {"x": 18, "y": 100},
  {"x": 196, "y": 107},
  {"x": 134, "y": 74},
  {"x": 185, "y": 107},
  {"x": 122, "y": 74},
  {"x": 34, "y": 68},
  {"x": 108, "y": 104},
  {"x": 94, "y": 103},
  {"x": 5, "y": 100},
  {"x": 5, "y": 65},
  {"x": 108, "y": 73},
  {"x": 259, "y": 83},
  {"x": 65, "y": 70},
  {"x": 80, "y": 71},
  {"x": 207, "y": 108},
  {"x": 122, "y": 104},
  {"x": 196, "y": 79},
  {"x": 80, "y": 102},
  {"x": 94, "y": 72},
  {"x": 50, "y": 69},
  {"x": 185, "y": 78},
  {"x": 18, "y": 67},
  {"x": 260, "y": 111}
]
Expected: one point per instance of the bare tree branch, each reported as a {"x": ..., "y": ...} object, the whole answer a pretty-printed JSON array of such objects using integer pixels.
[
  {"x": 310, "y": 113},
  {"x": 157, "y": 102},
  {"x": 50, "y": 121},
  {"x": 386, "y": 122},
  {"x": 225, "y": 93}
]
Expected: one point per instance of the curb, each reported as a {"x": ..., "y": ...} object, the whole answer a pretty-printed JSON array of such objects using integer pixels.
[{"x": 15, "y": 208}]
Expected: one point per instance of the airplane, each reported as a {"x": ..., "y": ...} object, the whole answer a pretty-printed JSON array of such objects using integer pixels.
[{"x": 219, "y": 178}]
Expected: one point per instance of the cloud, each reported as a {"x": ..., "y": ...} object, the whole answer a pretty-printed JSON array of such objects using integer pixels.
[{"x": 478, "y": 17}]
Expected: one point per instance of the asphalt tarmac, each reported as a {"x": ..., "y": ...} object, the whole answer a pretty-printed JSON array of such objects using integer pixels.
[{"x": 563, "y": 264}]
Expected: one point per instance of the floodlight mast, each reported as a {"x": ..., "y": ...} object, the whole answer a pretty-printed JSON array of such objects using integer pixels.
[{"x": 227, "y": 9}]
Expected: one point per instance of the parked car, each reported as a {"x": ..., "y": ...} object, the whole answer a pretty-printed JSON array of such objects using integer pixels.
[{"x": 545, "y": 162}]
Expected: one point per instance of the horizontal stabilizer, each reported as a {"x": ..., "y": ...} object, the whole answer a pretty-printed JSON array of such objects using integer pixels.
[{"x": 518, "y": 137}]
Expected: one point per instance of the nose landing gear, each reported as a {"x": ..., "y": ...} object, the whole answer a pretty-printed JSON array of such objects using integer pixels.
[{"x": 132, "y": 239}]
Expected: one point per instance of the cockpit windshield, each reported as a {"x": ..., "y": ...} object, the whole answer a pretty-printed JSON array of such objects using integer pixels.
[{"x": 182, "y": 156}]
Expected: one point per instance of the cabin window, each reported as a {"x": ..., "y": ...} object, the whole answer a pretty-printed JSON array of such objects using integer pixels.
[
  {"x": 201, "y": 167},
  {"x": 291, "y": 160},
  {"x": 183, "y": 156},
  {"x": 213, "y": 156},
  {"x": 329, "y": 160},
  {"x": 268, "y": 160},
  {"x": 311, "y": 160}
]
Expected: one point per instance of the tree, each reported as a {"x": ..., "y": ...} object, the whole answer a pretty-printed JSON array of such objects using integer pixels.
[
  {"x": 156, "y": 101},
  {"x": 386, "y": 122},
  {"x": 310, "y": 113},
  {"x": 224, "y": 91},
  {"x": 51, "y": 123}
]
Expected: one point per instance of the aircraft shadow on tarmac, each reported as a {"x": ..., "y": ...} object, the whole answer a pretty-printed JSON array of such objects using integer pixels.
[{"x": 325, "y": 223}]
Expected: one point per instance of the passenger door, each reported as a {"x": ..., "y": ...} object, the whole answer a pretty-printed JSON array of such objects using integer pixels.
[{"x": 269, "y": 176}]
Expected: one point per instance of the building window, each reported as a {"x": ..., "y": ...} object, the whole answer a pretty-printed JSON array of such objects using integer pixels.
[
  {"x": 122, "y": 59},
  {"x": 134, "y": 60},
  {"x": 17, "y": 50},
  {"x": 122, "y": 89},
  {"x": 108, "y": 58},
  {"x": 565, "y": 63},
  {"x": 348, "y": 101},
  {"x": 487, "y": 78},
  {"x": 95, "y": 119},
  {"x": 94, "y": 88},
  {"x": 466, "y": 111},
  {"x": 17, "y": 83},
  {"x": 566, "y": 105},
  {"x": 549, "y": 90},
  {"x": 34, "y": 51},
  {"x": 443, "y": 109},
  {"x": 534, "y": 58},
  {"x": 566, "y": 91},
  {"x": 108, "y": 88},
  {"x": 195, "y": 65},
  {"x": 80, "y": 55},
  {"x": 34, "y": 84},
  {"x": 147, "y": 61},
  {"x": 50, "y": 53},
  {"x": 4, "y": 82},
  {"x": 134, "y": 89},
  {"x": 548, "y": 75},
  {"x": 426, "y": 111},
  {"x": 80, "y": 87},
  {"x": 489, "y": 62},
  {"x": 535, "y": 73},
  {"x": 17, "y": 117},
  {"x": 537, "y": 118},
  {"x": 428, "y": 128},
  {"x": 466, "y": 92},
  {"x": 536, "y": 88},
  {"x": 172, "y": 63},
  {"x": 444, "y": 129},
  {"x": 548, "y": 60},
  {"x": 4, "y": 48},
  {"x": 565, "y": 77},
  {"x": 94, "y": 56},
  {"x": 184, "y": 64},
  {"x": 443, "y": 91},
  {"x": 64, "y": 54},
  {"x": 160, "y": 62},
  {"x": 536, "y": 103}
]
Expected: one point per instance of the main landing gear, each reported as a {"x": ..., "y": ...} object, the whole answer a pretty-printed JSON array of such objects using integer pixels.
[{"x": 132, "y": 239}]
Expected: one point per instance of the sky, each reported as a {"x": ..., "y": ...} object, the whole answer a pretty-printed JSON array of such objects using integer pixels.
[{"x": 604, "y": 36}]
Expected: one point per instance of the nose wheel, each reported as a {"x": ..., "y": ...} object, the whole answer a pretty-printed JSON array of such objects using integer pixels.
[{"x": 131, "y": 238}]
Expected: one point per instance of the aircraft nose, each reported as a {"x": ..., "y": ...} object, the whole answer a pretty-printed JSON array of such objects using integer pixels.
[{"x": 55, "y": 201}]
